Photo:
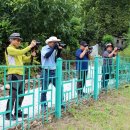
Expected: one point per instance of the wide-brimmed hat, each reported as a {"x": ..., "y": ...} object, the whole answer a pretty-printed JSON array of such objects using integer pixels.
[
  {"x": 52, "y": 39},
  {"x": 15, "y": 36}
]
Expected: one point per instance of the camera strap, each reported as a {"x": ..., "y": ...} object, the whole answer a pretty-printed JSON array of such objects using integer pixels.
[{"x": 6, "y": 51}]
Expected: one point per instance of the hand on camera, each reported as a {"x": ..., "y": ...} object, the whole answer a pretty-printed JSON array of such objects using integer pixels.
[
  {"x": 55, "y": 46},
  {"x": 59, "y": 47},
  {"x": 86, "y": 49},
  {"x": 33, "y": 43},
  {"x": 115, "y": 49}
]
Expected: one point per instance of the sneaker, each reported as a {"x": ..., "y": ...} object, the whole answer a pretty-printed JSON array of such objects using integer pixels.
[
  {"x": 20, "y": 114},
  {"x": 10, "y": 117}
]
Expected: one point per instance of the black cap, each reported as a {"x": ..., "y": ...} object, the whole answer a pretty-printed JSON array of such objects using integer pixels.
[
  {"x": 15, "y": 36},
  {"x": 83, "y": 43}
]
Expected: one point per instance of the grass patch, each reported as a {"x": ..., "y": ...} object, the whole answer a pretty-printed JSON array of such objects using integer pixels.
[{"x": 110, "y": 112}]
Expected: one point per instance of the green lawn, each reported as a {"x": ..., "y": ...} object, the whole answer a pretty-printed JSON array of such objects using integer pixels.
[{"x": 110, "y": 112}]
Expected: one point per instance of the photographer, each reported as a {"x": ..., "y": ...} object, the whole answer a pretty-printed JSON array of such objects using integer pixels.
[
  {"x": 49, "y": 53},
  {"x": 108, "y": 54},
  {"x": 15, "y": 60},
  {"x": 82, "y": 58}
]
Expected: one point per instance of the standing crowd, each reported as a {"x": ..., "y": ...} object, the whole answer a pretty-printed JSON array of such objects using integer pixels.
[{"x": 15, "y": 59}]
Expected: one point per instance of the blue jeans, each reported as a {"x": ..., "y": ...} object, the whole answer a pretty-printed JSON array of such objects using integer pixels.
[
  {"x": 106, "y": 72},
  {"x": 48, "y": 76},
  {"x": 80, "y": 84}
]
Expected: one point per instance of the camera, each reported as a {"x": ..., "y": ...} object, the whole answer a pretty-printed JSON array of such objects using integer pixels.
[
  {"x": 90, "y": 48},
  {"x": 61, "y": 44},
  {"x": 36, "y": 46},
  {"x": 119, "y": 49},
  {"x": 38, "y": 43}
]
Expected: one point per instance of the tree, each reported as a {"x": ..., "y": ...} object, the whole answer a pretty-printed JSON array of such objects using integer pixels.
[{"x": 105, "y": 17}]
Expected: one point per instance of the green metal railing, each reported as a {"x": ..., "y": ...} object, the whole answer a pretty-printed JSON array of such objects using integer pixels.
[{"x": 72, "y": 85}]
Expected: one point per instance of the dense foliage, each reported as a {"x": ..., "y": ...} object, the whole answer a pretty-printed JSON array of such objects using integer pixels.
[{"x": 70, "y": 20}]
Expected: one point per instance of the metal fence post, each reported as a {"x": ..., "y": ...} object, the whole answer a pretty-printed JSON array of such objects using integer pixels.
[
  {"x": 117, "y": 70},
  {"x": 96, "y": 89},
  {"x": 58, "y": 88}
]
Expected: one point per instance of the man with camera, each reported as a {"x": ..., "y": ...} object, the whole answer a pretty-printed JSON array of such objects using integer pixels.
[
  {"x": 108, "y": 54},
  {"x": 15, "y": 59},
  {"x": 49, "y": 54},
  {"x": 82, "y": 58}
]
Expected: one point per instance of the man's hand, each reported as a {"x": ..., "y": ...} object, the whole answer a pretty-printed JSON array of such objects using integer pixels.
[
  {"x": 55, "y": 46},
  {"x": 33, "y": 43},
  {"x": 59, "y": 47},
  {"x": 115, "y": 49},
  {"x": 33, "y": 54},
  {"x": 84, "y": 52},
  {"x": 86, "y": 49}
]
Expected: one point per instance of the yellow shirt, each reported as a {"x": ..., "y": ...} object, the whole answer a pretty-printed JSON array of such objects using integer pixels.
[{"x": 15, "y": 59}]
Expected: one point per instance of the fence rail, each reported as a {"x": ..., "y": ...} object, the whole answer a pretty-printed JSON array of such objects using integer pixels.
[{"x": 47, "y": 92}]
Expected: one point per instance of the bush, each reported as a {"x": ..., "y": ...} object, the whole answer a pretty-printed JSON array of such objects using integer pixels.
[{"x": 107, "y": 38}]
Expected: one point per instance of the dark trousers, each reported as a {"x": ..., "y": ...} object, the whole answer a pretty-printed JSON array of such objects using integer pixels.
[
  {"x": 16, "y": 82},
  {"x": 82, "y": 75},
  {"x": 106, "y": 73},
  {"x": 48, "y": 76}
]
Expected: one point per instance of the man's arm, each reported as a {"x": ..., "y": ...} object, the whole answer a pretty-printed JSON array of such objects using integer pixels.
[
  {"x": 15, "y": 52},
  {"x": 48, "y": 54},
  {"x": 83, "y": 53},
  {"x": 26, "y": 59},
  {"x": 114, "y": 52}
]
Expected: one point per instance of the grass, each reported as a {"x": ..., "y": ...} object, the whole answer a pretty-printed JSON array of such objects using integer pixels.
[
  {"x": 110, "y": 112},
  {"x": 125, "y": 52}
]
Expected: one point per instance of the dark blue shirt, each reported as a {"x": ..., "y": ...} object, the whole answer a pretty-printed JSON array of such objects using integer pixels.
[{"x": 81, "y": 63}]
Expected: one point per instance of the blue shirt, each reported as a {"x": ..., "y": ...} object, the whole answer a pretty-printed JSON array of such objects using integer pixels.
[
  {"x": 48, "y": 63},
  {"x": 81, "y": 63}
]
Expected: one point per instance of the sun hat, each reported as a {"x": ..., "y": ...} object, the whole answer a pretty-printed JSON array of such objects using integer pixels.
[{"x": 52, "y": 39}]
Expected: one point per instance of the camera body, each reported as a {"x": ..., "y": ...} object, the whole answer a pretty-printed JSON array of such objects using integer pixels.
[
  {"x": 119, "y": 49},
  {"x": 38, "y": 43},
  {"x": 36, "y": 46},
  {"x": 61, "y": 44},
  {"x": 90, "y": 49}
]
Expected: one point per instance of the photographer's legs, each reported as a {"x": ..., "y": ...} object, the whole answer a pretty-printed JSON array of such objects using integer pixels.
[
  {"x": 105, "y": 77},
  {"x": 80, "y": 84},
  {"x": 52, "y": 75},
  {"x": 19, "y": 100},
  {"x": 45, "y": 83},
  {"x": 10, "y": 104}
]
